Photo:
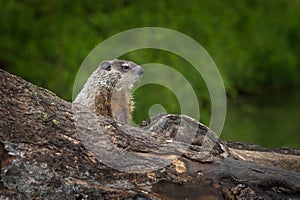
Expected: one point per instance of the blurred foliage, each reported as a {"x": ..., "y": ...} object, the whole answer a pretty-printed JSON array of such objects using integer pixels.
[
  {"x": 265, "y": 119},
  {"x": 255, "y": 43}
]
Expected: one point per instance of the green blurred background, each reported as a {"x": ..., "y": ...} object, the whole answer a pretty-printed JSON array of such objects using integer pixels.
[{"x": 255, "y": 44}]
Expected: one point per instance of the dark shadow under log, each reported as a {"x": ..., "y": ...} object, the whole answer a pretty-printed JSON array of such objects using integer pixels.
[{"x": 43, "y": 155}]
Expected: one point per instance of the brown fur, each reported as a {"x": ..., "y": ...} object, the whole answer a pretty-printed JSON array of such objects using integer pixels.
[{"x": 107, "y": 91}]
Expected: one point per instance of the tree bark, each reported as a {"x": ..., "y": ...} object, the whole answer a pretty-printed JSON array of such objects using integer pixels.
[{"x": 51, "y": 149}]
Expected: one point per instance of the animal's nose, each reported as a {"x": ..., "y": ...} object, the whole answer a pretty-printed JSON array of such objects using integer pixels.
[{"x": 139, "y": 70}]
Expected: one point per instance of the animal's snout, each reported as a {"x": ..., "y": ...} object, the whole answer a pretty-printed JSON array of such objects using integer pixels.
[{"x": 139, "y": 70}]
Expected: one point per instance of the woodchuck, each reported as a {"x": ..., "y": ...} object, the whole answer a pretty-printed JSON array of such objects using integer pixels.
[{"x": 108, "y": 90}]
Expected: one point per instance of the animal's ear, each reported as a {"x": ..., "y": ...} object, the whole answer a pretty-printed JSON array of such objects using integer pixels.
[{"x": 105, "y": 65}]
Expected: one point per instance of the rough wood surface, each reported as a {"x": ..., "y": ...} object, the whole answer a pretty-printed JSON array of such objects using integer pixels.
[{"x": 49, "y": 150}]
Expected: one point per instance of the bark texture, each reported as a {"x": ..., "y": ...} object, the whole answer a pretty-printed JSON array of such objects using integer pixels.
[{"x": 51, "y": 149}]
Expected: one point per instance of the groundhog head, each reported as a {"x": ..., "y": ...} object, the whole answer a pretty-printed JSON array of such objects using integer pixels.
[{"x": 127, "y": 72}]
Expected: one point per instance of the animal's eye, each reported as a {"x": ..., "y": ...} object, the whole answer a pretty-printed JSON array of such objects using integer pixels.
[{"x": 125, "y": 67}]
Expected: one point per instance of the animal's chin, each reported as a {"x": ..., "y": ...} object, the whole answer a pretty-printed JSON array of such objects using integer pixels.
[
  {"x": 137, "y": 77},
  {"x": 124, "y": 86}
]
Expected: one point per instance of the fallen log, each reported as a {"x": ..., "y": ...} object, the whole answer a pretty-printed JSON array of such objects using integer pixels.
[{"x": 51, "y": 149}]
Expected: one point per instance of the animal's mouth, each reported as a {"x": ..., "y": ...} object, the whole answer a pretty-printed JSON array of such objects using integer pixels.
[
  {"x": 138, "y": 71},
  {"x": 130, "y": 78}
]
